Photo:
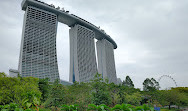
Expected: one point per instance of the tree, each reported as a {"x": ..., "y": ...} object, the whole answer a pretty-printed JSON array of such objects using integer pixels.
[
  {"x": 121, "y": 94},
  {"x": 128, "y": 82},
  {"x": 114, "y": 89},
  {"x": 44, "y": 88},
  {"x": 2, "y": 74},
  {"x": 183, "y": 95},
  {"x": 100, "y": 94},
  {"x": 123, "y": 91},
  {"x": 181, "y": 89},
  {"x": 150, "y": 85},
  {"x": 32, "y": 99},
  {"x": 17, "y": 89},
  {"x": 134, "y": 98},
  {"x": 169, "y": 97},
  {"x": 56, "y": 96},
  {"x": 80, "y": 94},
  {"x": 175, "y": 96}
]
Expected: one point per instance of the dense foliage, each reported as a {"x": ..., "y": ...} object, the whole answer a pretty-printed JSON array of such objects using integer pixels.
[
  {"x": 38, "y": 94},
  {"x": 150, "y": 85},
  {"x": 128, "y": 82}
]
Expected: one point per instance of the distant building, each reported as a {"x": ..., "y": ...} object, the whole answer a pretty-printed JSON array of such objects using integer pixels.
[
  {"x": 13, "y": 73},
  {"x": 119, "y": 81},
  {"x": 63, "y": 82}
]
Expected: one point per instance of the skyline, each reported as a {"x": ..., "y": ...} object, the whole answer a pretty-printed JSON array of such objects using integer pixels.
[{"x": 151, "y": 36}]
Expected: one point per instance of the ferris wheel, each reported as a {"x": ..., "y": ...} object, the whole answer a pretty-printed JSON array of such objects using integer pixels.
[{"x": 168, "y": 76}]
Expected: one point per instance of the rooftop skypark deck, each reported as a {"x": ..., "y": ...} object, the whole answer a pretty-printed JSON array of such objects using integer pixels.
[{"x": 68, "y": 19}]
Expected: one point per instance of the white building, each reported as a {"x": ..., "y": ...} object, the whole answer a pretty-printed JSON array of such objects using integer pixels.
[
  {"x": 83, "y": 66},
  {"x": 106, "y": 62},
  {"x": 38, "y": 57}
]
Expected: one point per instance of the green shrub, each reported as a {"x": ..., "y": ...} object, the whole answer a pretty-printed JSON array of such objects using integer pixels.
[
  {"x": 144, "y": 107},
  {"x": 69, "y": 108},
  {"x": 123, "y": 107},
  {"x": 10, "y": 107},
  {"x": 102, "y": 107}
]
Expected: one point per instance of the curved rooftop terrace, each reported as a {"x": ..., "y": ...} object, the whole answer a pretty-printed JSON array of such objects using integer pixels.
[{"x": 68, "y": 19}]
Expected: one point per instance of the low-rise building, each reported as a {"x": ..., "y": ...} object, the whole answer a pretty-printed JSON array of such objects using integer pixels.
[{"x": 13, "y": 73}]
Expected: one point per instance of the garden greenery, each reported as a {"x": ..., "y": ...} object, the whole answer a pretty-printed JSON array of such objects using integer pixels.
[{"x": 33, "y": 94}]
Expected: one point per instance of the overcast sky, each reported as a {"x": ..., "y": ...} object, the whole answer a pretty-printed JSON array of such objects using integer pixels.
[{"x": 151, "y": 36}]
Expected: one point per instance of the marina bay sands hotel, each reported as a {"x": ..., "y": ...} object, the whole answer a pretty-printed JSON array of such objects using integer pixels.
[{"x": 38, "y": 55}]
